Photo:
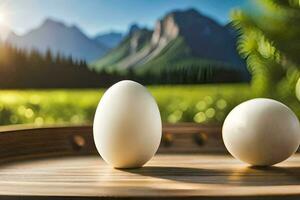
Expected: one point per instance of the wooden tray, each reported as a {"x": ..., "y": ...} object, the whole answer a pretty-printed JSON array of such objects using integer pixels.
[{"x": 62, "y": 163}]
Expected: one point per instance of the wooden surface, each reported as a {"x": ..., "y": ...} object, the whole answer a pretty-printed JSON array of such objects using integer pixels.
[
  {"x": 175, "y": 176},
  {"x": 192, "y": 163}
]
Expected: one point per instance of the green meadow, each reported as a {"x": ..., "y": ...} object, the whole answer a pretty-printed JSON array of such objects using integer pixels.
[{"x": 200, "y": 104}]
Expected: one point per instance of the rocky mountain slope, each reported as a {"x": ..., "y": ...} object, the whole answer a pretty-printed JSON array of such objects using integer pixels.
[{"x": 180, "y": 39}]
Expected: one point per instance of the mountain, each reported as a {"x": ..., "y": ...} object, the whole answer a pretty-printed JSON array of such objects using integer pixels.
[
  {"x": 127, "y": 51},
  {"x": 231, "y": 30},
  {"x": 54, "y": 35},
  {"x": 181, "y": 38},
  {"x": 133, "y": 27},
  {"x": 110, "y": 40}
]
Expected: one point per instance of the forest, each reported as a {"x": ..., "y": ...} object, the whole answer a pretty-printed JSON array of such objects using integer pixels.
[{"x": 21, "y": 68}]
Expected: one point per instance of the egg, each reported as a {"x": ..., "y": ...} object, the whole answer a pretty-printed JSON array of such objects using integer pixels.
[
  {"x": 127, "y": 125},
  {"x": 261, "y": 132}
]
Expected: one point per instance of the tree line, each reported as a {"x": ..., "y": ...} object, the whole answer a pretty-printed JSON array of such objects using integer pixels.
[
  {"x": 30, "y": 69},
  {"x": 191, "y": 74},
  {"x": 21, "y": 68}
]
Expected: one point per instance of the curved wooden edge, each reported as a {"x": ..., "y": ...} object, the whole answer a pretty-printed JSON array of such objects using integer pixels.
[
  {"x": 174, "y": 128},
  {"x": 263, "y": 197},
  {"x": 23, "y": 142},
  {"x": 29, "y": 127},
  {"x": 20, "y": 142}
]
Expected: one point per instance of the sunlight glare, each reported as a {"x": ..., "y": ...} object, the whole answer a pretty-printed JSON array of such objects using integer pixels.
[{"x": 2, "y": 19}]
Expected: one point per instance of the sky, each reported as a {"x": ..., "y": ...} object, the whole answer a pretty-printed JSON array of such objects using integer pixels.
[{"x": 98, "y": 16}]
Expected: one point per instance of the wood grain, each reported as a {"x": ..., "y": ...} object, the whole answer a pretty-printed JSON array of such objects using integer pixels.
[
  {"x": 165, "y": 175},
  {"x": 62, "y": 163}
]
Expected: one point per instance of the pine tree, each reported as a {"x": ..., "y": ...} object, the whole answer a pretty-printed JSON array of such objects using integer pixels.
[
  {"x": 269, "y": 40},
  {"x": 48, "y": 57}
]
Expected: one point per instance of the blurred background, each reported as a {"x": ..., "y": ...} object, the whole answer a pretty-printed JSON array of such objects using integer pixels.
[{"x": 199, "y": 58}]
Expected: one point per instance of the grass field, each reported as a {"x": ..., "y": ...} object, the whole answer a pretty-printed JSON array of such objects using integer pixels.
[{"x": 200, "y": 104}]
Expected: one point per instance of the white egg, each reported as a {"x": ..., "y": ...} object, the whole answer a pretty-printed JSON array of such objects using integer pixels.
[
  {"x": 261, "y": 132},
  {"x": 127, "y": 125}
]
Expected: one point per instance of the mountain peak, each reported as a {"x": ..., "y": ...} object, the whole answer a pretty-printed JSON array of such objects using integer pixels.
[
  {"x": 188, "y": 23},
  {"x": 133, "y": 28},
  {"x": 190, "y": 11},
  {"x": 188, "y": 17},
  {"x": 59, "y": 37},
  {"x": 76, "y": 28},
  {"x": 49, "y": 22}
]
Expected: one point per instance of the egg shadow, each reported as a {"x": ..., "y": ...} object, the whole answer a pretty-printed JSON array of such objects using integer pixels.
[{"x": 245, "y": 176}]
